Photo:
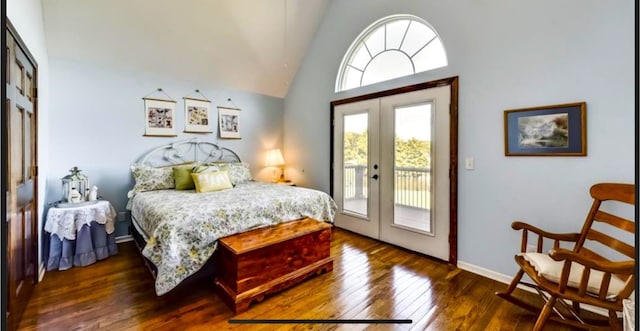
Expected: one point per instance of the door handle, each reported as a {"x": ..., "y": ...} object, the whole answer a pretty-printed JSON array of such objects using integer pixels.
[{"x": 375, "y": 176}]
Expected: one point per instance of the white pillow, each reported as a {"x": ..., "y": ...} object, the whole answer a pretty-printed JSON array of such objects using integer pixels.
[
  {"x": 552, "y": 270},
  {"x": 238, "y": 172}
]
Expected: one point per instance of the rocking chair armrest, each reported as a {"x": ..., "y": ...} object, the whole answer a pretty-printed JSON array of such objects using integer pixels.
[
  {"x": 620, "y": 268},
  {"x": 573, "y": 237}
]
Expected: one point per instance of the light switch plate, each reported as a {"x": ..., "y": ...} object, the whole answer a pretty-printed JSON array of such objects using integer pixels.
[{"x": 468, "y": 163}]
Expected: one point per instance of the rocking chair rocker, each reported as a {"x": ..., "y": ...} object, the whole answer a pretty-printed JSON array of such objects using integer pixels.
[{"x": 580, "y": 275}]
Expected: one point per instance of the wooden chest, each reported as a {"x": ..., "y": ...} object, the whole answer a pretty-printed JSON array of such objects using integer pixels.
[{"x": 266, "y": 260}]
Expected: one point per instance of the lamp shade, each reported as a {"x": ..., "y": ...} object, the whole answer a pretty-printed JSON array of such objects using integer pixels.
[{"x": 274, "y": 158}]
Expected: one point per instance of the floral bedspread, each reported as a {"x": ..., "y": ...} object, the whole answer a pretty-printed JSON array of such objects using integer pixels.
[{"x": 184, "y": 226}]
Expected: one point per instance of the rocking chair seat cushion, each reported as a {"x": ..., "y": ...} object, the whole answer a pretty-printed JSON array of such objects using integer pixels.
[{"x": 551, "y": 270}]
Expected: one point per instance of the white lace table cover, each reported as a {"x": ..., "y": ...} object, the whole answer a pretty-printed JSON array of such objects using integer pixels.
[{"x": 65, "y": 222}]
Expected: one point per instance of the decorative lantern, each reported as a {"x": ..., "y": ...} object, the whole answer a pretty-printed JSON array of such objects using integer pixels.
[{"x": 74, "y": 186}]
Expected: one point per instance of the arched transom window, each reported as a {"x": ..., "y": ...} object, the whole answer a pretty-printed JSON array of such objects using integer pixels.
[{"x": 395, "y": 46}]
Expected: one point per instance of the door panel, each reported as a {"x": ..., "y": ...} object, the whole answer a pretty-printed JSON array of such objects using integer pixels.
[
  {"x": 356, "y": 154},
  {"x": 415, "y": 171},
  {"x": 21, "y": 187}
]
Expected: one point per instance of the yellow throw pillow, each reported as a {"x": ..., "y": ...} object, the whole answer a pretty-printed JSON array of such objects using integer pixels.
[
  {"x": 206, "y": 168},
  {"x": 211, "y": 181}
]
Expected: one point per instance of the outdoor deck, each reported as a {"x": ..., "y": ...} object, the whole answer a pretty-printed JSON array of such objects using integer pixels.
[{"x": 413, "y": 217}]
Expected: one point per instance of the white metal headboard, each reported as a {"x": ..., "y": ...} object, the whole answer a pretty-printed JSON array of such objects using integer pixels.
[{"x": 187, "y": 151}]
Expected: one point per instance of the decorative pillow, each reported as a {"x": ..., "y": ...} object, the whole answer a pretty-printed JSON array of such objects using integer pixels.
[
  {"x": 551, "y": 270},
  {"x": 192, "y": 163},
  {"x": 211, "y": 181},
  {"x": 150, "y": 178},
  {"x": 205, "y": 168},
  {"x": 238, "y": 172},
  {"x": 182, "y": 176}
]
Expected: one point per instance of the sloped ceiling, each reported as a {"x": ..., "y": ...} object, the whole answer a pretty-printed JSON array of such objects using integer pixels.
[{"x": 236, "y": 44}]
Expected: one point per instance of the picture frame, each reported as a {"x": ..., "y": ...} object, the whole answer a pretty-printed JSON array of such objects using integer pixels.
[
  {"x": 229, "y": 123},
  {"x": 159, "y": 117},
  {"x": 196, "y": 115},
  {"x": 556, "y": 130}
]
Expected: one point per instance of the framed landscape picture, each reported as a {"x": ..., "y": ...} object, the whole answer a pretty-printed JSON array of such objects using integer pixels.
[
  {"x": 196, "y": 115},
  {"x": 557, "y": 130},
  {"x": 159, "y": 117},
  {"x": 229, "y": 122}
]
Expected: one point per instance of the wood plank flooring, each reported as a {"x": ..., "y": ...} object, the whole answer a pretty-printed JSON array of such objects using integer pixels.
[{"x": 370, "y": 280}]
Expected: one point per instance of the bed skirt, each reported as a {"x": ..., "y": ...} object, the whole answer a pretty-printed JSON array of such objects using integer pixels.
[{"x": 92, "y": 244}]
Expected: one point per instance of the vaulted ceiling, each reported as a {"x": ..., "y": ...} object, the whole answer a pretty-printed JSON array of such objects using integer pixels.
[{"x": 235, "y": 44}]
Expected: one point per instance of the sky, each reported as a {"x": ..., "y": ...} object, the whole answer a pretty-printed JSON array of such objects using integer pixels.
[{"x": 411, "y": 122}]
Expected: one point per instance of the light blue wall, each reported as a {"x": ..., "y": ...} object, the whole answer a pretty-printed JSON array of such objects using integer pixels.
[
  {"x": 97, "y": 124},
  {"x": 507, "y": 54}
]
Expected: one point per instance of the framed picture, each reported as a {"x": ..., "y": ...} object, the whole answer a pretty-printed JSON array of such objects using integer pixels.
[
  {"x": 196, "y": 115},
  {"x": 558, "y": 130},
  {"x": 229, "y": 122},
  {"x": 159, "y": 117}
]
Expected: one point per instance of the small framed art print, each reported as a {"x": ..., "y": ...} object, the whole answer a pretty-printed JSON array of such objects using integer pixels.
[
  {"x": 196, "y": 115},
  {"x": 159, "y": 117},
  {"x": 557, "y": 130},
  {"x": 229, "y": 122}
]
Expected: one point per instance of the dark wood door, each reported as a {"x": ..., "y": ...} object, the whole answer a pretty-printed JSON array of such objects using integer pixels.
[{"x": 20, "y": 119}]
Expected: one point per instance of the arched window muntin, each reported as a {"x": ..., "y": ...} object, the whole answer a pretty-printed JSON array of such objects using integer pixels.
[{"x": 429, "y": 36}]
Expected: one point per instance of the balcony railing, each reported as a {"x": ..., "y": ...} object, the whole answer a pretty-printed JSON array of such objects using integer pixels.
[{"x": 412, "y": 185}]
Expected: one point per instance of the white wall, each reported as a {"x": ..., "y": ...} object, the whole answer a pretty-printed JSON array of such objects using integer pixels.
[
  {"x": 27, "y": 17},
  {"x": 97, "y": 124},
  {"x": 507, "y": 54}
]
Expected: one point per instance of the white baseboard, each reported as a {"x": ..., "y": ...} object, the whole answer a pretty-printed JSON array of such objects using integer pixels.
[
  {"x": 507, "y": 280},
  {"x": 124, "y": 238},
  {"x": 502, "y": 278},
  {"x": 41, "y": 272}
]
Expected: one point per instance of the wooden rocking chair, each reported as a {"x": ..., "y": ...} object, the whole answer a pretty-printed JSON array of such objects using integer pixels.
[{"x": 566, "y": 278}]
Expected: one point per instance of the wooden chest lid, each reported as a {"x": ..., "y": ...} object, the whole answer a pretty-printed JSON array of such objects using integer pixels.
[{"x": 270, "y": 235}]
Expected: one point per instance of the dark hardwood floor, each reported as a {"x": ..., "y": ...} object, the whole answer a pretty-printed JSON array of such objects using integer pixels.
[{"x": 370, "y": 280}]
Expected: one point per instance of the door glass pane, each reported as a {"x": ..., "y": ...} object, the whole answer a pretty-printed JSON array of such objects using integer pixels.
[
  {"x": 355, "y": 156},
  {"x": 412, "y": 167}
]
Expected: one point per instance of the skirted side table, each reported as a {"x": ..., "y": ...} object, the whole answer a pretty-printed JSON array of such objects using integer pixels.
[{"x": 80, "y": 235}]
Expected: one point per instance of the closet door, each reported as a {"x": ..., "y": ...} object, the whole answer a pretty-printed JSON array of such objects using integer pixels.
[{"x": 21, "y": 165}]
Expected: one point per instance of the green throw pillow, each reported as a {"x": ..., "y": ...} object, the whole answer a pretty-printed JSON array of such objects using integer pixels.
[{"x": 182, "y": 176}]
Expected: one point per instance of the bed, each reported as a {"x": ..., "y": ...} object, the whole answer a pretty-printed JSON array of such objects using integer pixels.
[{"x": 177, "y": 229}]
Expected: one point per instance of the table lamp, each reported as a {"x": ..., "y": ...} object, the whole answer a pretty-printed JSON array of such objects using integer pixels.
[{"x": 274, "y": 159}]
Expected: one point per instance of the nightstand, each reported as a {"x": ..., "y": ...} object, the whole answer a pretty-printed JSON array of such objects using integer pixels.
[{"x": 80, "y": 234}]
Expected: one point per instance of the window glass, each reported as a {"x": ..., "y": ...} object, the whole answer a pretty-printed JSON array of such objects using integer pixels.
[
  {"x": 387, "y": 65},
  {"x": 395, "y": 33},
  {"x": 361, "y": 58},
  {"x": 430, "y": 57},
  {"x": 395, "y": 46},
  {"x": 375, "y": 41},
  {"x": 417, "y": 37}
]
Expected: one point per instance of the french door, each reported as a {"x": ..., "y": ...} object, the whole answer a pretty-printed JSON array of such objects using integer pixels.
[{"x": 391, "y": 169}]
